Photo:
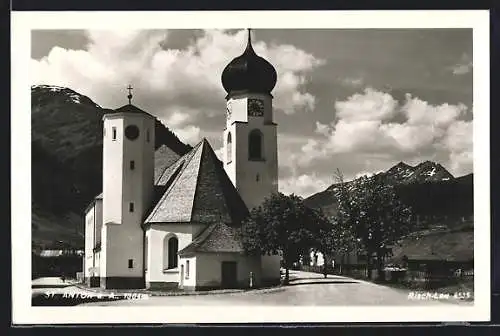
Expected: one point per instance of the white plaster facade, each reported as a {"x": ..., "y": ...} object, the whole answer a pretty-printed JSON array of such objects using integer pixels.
[
  {"x": 209, "y": 269},
  {"x": 254, "y": 179},
  {"x": 157, "y": 235},
  {"x": 128, "y": 172},
  {"x": 93, "y": 226}
]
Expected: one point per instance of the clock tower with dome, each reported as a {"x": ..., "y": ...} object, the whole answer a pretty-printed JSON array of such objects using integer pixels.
[{"x": 250, "y": 136}]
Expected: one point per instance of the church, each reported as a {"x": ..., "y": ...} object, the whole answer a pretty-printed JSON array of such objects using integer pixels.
[{"x": 163, "y": 221}]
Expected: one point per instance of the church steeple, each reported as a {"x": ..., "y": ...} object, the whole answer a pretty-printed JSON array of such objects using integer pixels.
[
  {"x": 249, "y": 73},
  {"x": 250, "y": 136}
]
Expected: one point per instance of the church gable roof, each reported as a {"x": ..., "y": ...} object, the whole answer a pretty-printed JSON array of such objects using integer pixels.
[
  {"x": 216, "y": 238},
  {"x": 129, "y": 108},
  {"x": 216, "y": 198},
  {"x": 198, "y": 190},
  {"x": 180, "y": 181},
  {"x": 164, "y": 158}
]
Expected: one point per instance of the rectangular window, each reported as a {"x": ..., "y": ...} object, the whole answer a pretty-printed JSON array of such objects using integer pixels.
[
  {"x": 131, "y": 207},
  {"x": 130, "y": 263},
  {"x": 114, "y": 133},
  {"x": 147, "y": 135},
  {"x": 187, "y": 269},
  {"x": 132, "y": 165}
]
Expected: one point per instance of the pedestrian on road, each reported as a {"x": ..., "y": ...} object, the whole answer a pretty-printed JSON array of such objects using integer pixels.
[{"x": 325, "y": 270}]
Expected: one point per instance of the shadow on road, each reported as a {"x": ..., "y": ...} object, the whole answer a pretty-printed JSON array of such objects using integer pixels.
[
  {"x": 312, "y": 278},
  {"x": 321, "y": 282},
  {"x": 331, "y": 277}
]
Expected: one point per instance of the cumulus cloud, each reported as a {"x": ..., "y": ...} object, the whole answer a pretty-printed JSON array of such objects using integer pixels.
[
  {"x": 304, "y": 185},
  {"x": 169, "y": 81},
  {"x": 188, "y": 134},
  {"x": 373, "y": 122}
]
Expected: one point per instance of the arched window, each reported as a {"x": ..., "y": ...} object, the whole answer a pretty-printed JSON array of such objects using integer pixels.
[
  {"x": 170, "y": 249},
  {"x": 229, "y": 149},
  {"x": 255, "y": 144}
]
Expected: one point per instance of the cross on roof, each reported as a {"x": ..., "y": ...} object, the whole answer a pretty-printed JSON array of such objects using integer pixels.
[{"x": 129, "y": 88}]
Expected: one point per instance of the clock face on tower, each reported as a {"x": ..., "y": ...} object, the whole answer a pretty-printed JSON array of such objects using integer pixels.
[
  {"x": 132, "y": 132},
  {"x": 255, "y": 107}
]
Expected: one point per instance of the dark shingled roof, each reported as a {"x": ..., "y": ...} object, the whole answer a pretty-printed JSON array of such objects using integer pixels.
[
  {"x": 129, "y": 108},
  {"x": 198, "y": 190},
  {"x": 164, "y": 158},
  {"x": 217, "y": 237}
]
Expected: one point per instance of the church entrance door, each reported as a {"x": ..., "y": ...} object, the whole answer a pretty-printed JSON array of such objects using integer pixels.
[{"x": 229, "y": 278}]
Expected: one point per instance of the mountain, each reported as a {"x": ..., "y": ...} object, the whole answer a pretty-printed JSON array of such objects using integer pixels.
[
  {"x": 443, "y": 204},
  {"x": 424, "y": 172},
  {"x": 67, "y": 161},
  {"x": 428, "y": 188}
]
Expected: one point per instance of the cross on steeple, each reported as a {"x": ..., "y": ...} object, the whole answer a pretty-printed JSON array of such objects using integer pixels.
[{"x": 129, "y": 88}]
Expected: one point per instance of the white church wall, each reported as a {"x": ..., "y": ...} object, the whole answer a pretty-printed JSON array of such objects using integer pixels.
[
  {"x": 98, "y": 220},
  {"x": 138, "y": 182},
  {"x": 254, "y": 179},
  {"x": 125, "y": 245},
  {"x": 148, "y": 153},
  {"x": 209, "y": 269},
  {"x": 127, "y": 190},
  {"x": 113, "y": 170},
  {"x": 97, "y": 257},
  {"x": 189, "y": 280},
  {"x": 89, "y": 240},
  {"x": 238, "y": 105},
  {"x": 156, "y": 235},
  {"x": 104, "y": 239}
]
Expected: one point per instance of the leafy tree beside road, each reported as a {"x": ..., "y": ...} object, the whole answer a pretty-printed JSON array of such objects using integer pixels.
[
  {"x": 282, "y": 224},
  {"x": 373, "y": 213},
  {"x": 370, "y": 216}
]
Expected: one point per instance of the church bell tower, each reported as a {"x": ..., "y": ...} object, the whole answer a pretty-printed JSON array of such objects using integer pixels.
[
  {"x": 128, "y": 178},
  {"x": 250, "y": 136}
]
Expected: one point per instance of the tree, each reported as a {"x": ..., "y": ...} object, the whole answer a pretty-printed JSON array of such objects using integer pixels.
[
  {"x": 378, "y": 218},
  {"x": 326, "y": 238},
  {"x": 343, "y": 229},
  {"x": 282, "y": 224}
]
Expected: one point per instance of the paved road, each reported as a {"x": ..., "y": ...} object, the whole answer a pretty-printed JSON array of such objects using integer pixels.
[{"x": 305, "y": 289}]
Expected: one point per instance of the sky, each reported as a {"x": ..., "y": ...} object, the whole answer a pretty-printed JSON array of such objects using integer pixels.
[{"x": 355, "y": 100}]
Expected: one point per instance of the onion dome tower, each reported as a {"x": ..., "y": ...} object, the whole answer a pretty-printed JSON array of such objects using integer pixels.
[
  {"x": 250, "y": 135},
  {"x": 249, "y": 73}
]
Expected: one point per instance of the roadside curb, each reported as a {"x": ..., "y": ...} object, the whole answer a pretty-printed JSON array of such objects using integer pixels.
[{"x": 181, "y": 293}]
